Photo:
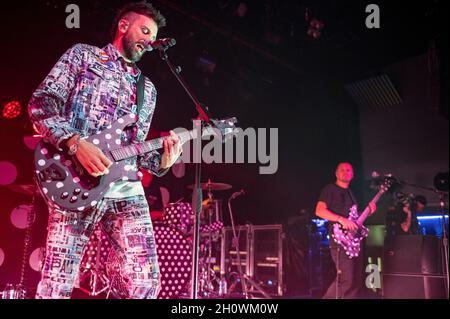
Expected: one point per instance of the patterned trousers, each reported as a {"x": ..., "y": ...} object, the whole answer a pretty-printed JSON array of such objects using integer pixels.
[{"x": 127, "y": 224}]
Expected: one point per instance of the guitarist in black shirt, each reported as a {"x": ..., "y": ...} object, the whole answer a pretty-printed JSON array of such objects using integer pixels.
[{"x": 334, "y": 205}]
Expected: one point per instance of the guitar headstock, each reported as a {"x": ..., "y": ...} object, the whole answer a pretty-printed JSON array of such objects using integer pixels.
[
  {"x": 226, "y": 127},
  {"x": 387, "y": 182}
]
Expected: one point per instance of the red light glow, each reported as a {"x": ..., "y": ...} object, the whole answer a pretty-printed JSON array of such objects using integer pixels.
[{"x": 11, "y": 110}]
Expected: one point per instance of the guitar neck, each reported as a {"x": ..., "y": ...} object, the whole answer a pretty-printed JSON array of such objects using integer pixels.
[
  {"x": 133, "y": 150},
  {"x": 366, "y": 211}
]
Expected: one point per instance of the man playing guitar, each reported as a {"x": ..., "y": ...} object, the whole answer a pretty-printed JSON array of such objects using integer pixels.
[
  {"x": 87, "y": 90},
  {"x": 334, "y": 205}
]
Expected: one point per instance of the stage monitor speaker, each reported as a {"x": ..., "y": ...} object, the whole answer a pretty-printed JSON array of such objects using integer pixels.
[
  {"x": 406, "y": 286},
  {"x": 412, "y": 268},
  {"x": 413, "y": 255}
]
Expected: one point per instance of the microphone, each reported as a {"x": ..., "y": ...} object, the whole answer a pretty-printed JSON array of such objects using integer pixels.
[
  {"x": 160, "y": 44},
  {"x": 236, "y": 194},
  {"x": 375, "y": 174}
]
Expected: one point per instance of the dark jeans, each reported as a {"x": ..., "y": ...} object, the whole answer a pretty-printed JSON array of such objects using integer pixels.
[{"x": 349, "y": 274}]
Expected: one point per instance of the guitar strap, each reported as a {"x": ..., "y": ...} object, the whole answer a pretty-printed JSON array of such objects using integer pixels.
[
  {"x": 140, "y": 91},
  {"x": 352, "y": 196}
]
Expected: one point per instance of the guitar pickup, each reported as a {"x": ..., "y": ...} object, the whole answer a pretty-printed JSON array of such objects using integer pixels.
[{"x": 53, "y": 173}]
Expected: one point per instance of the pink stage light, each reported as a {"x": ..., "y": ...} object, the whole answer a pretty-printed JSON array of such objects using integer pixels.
[{"x": 11, "y": 110}]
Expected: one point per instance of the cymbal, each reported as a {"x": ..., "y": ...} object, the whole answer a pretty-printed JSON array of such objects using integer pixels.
[
  {"x": 212, "y": 186},
  {"x": 23, "y": 189}
]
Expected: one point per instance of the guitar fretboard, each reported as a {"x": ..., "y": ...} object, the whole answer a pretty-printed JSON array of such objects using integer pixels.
[
  {"x": 133, "y": 150},
  {"x": 366, "y": 211}
]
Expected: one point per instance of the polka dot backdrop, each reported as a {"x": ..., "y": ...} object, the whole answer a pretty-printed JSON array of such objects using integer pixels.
[
  {"x": 12, "y": 237},
  {"x": 36, "y": 258},
  {"x": 179, "y": 169},
  {"x": 31, "y": 141},
  {"x": 174, "y": 257},
  {"x": 2, "y": 256},
  {"x": 8, "y": 173},
  {"x": 16, "y": 167},
  {"x": 19, "y": 216}
]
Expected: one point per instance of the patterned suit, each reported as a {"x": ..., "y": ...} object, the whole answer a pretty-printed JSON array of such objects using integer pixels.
[{"x": 86, "y": 91}]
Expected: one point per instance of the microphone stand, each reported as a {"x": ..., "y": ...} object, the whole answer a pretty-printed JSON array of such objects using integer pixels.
[
  {"x": 235, "y": 244},
  {"x": 204, "y": 118},
  {"x": 444, "y": 236},
  {"x": 243, "y": 276}
]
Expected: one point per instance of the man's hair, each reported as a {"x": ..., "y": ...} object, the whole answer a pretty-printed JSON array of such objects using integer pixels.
[
  {"x": 420, "y": 199},
  {"x": 141, "y": 7},
  {"x": 342, "y": 163}
]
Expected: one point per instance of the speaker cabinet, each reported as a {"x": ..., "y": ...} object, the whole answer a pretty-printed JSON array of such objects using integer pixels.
[
  {"x": 405, "y": 286},
  {"x": 413, "y": 255},
  {"x": 413, "y": 268}
]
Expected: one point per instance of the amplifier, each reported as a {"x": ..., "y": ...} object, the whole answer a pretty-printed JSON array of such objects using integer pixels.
[
  {"x": 261, "y": 254},
  {"x": 266, "y": 262}
]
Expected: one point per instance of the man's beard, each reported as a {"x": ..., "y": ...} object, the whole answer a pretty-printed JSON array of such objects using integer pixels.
[{"x": 129, "y": 48}]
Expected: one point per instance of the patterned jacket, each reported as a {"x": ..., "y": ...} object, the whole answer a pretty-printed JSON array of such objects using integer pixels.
[{"x": 87, "y": 90}]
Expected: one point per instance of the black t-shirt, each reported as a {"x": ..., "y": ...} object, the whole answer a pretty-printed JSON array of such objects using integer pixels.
[{"x": 339, "y": 200}]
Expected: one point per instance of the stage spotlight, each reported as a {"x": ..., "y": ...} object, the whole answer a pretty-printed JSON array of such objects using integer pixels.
[
  {"x": 11, "y": 110},
  {"x": 241, "y": 10},
  {"x": 315, "y": 34},
  {"x": 316, "y": 24},
  {"x": 206, "y": 63}
]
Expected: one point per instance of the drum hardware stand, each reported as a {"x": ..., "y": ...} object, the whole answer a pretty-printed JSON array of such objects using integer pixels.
[
  {"x": 19, "y": 291},
  {"x": 235, "y": 243},
  {"x": 208, "y": 262},
  {"x": 208, "y": 273}
]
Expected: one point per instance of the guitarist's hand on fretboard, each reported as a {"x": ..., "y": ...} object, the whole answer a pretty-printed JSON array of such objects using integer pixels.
[
  {"x": 373, "y": 208},
  {"x": 172, "y": 150},
  {"x": 92, "y": 159}
]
